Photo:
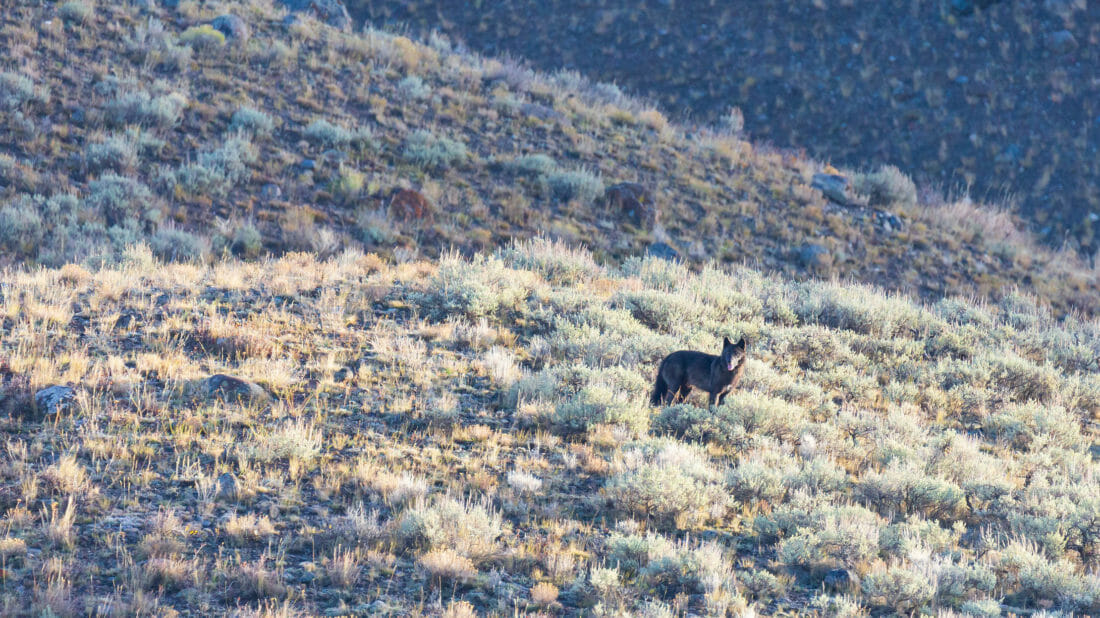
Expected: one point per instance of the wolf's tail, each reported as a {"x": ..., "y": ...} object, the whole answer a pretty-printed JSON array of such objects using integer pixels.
[{"x": 660, "y": 389}]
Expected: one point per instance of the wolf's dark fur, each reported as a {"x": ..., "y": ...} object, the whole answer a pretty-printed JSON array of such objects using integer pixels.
[{"x": 717, "y": 375}]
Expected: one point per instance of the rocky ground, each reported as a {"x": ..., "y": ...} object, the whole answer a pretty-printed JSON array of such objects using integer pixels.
[
  {"x": 242, "y": 128},
  {"x": 994, "y": 98}
]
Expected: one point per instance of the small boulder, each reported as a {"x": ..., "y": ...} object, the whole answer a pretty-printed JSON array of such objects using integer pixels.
[
  {"x": 540, "y": 111},
  {"x": 833, "y": 186},
  {"x": 126, "y": 320},
  {"x": 332, "y": 12},
  {"x": 663, "y": 250},
  {"x": 814, "y": 256},
  {"x": 233, "y": 27},
  {"x": 1061, "y": 42},
  {"x": 54, "y": 399},
  {"x": 410, "y": 205},
  {"x": 634, "y": 201},
  {"x": 333, "y": 156},
  {"x": 227, "y": 486},
  {"x": 271, "y": 191},
  {"x": 234, "y": 390},
  {"x": 346, "y": 372},
  {"x": 888, "y": 221},
  {"x": 841, "y": 580}
]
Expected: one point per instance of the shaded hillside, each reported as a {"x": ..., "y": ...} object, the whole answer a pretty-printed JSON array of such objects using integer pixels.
[
  {"x": 1002, "y": 100},
  {"x": 473, "y": 436},
  {"x": 121, "y": 123}
]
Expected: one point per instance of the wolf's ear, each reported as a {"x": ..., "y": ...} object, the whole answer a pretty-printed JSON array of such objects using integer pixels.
[{"x": 726, "y": 342}]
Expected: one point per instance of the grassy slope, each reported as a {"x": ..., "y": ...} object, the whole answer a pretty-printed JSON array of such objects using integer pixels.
[
  {"x": 983, "y": 101},
  {"x": 474, "y": 435},
  {"x": 117, "y": 90}
]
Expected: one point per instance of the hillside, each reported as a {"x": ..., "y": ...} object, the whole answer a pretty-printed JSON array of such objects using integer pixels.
[
  {"x": 135, "y": 122},
  {"x": 472, "y": 437},
  {"x": 997, "y": 96}
]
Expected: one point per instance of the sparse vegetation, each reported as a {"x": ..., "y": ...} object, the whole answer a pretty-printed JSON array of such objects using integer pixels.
[
  {"x": 75, "y": 11},
  {"x": 17, "y": 90},
  {"x": 580, "y": 185},
  {"x": 335, "y": 136},
  {"x": 140, "y": 107},
  {"x": 252, "y": 121},
  {"x": 519, "y": 154},
  {"x": 887, "y": 187},
  {"x": 428, "y": 150},
  {"x": 256, "y": 429},
  {"x": 478, "y": 420}
]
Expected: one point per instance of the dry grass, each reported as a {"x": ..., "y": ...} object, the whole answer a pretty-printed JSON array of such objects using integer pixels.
[
  {"x": 191, "y": 152},
  {"x": 943, "y": 454}
]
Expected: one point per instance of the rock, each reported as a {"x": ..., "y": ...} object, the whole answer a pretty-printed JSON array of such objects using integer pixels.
[
  {"x": 271, "y": 191},
  {"x": 1061, "y": 42},
  {"x": 233, "y": 27},
  {"x": 347, "y": 372},
  {"x": 227, "y": 486},
  {"x": 125, "y": 320},
  {"x": 832, "y": 186},
  {"x": 232, "y": 389},
  {"x": 540, "y": 111},
  {"x": 841, "y": 580},
  {"x": 333, "y": 156},
  {"x": 410, "y": 205},
  {"x": 332, "y": 12},
  {"x": 663, "y": 250},
  {"x": 814, "y": 256},
  {"x": 887, "y": 220},
  {"x": 54, "y": 399},
  {"x": 634, "y": 201},
  {"x": 1010, "y": 154}
]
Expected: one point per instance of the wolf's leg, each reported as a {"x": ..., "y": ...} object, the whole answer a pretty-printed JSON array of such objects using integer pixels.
[
  {"x": 660, "y": 391},
  {"x": 669, "y": 397},
  {"x": 682, "y": 393},
  {"x": 722, "y": 397},
  {"x": 711, "y": 399}
]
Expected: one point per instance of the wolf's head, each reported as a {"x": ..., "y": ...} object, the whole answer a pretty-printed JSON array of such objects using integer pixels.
[{"x": 732, "y": 353}]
